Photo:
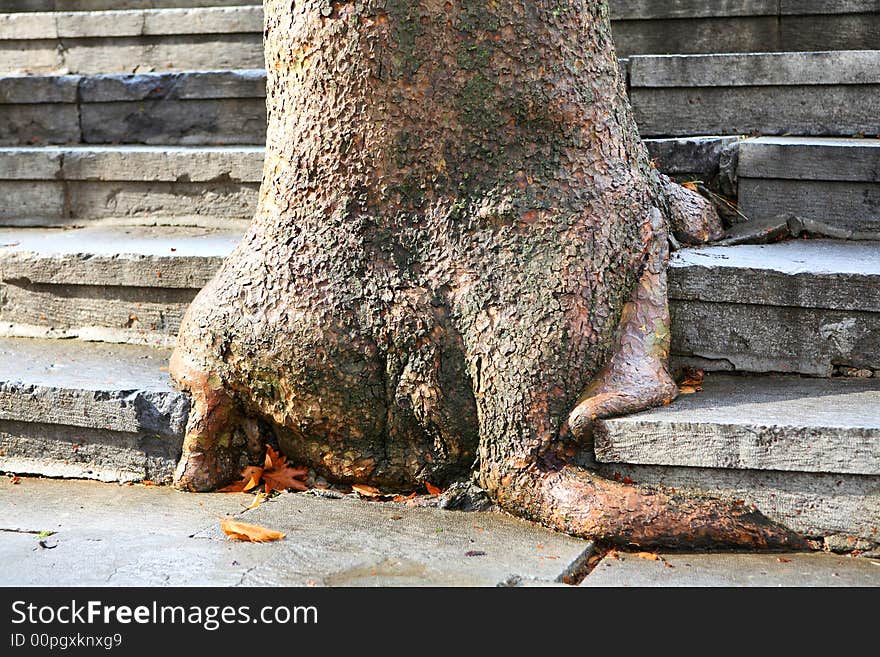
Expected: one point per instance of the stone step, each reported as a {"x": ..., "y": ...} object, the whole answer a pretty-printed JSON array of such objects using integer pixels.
[
  {"x": 812, "y": 93},
  {"x": 104, "y": 283},
  {"x": 802, "y": 306},
  {"x": 53, "y": 186},
  {"x": 775, "y": 423},
  {"x": 96, "y": 411},
  {"x": 131, "y": 41},
  {"x": 703, "y": 26},
  {"x": 805, "y": 451},
  {"x": 833, "y": 182},
  {"x": 230, "y": 37},
  {"x": 193, "y": 107},
  {"x": 817, "y": 93}
]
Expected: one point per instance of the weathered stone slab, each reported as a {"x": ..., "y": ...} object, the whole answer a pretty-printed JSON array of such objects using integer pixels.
[
  {"x": 191, "y": 85},
  {"x": 859, "y": 67},
  {"x": 853, "y": 209},
  {"x": 804, "y": 273},
  {"x": 129, "y": 257},
  {"x": 329, "y": 542},
  {"x": 648, "y": 9},
  {"x": 38, "y": 124},
  {"x": 811, "y": 503},
  {"x": 758, "y": 423},
  {"x": 818, "y": 110},
  {"x": 810, "y": 158},
  {"x": 133, "y": 184},
  {"x": 689, "y": 156},
  {"x": 696, "y": 35},
  {"x": 761, "y": 338},
  {"x": 830, "y": 31},
  {"x": 112, "y": 387},
  {"x": 763, "y": 570},
  {"x": 195, "y": 122}
]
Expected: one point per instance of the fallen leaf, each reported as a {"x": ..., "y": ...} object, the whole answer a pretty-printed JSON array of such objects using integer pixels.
[
  {"x": 16, "y": 479},
  {"x": 285, "y": 478},
  {"x": 692, "y": 382},
  {"x": 242, "y": 531},
  {"x": 250, "y": 478},
  {"x": 258, "y": 499},
  {"x": 366, "y": 491},
  {"x": 147, "y": 482},
  {"x": 432, "y": 489},
  {"x": 628, "y": 481},
  {"x": 649, "y": 556},
  {"x": 783, "y": 560},
  {"x": 402, "y": 498}
]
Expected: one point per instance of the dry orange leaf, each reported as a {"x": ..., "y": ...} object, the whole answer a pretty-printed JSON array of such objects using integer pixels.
[
  {"x": 250, "y": 477},
  {"x": 432, "y": 489},
  {"x": 242, "y": 531},
  {"x": 649, "y": 556},
  {"x": 366, "y": 491},
  {"x": 403, "y": 498}
]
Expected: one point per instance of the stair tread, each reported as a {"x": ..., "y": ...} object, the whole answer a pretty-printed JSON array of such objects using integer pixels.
[
  {"x": 801, "y": 256},
  {"x": 83, "y": 366},
  {"x": 172, "y": 242},
  {"x": 756, "y": 422}
]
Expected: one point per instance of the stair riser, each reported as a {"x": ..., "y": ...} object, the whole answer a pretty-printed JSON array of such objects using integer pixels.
[
  {"x": 131, "y": 54},
  {"x": 814, "y": 504},
  {"x": 755, "y": 338},
  {"x": 39, "y": 203},
  {"x": 852, "y": 207},
  {"x": 822, "y": 111},
  {"x": 54, "y": 450},
  {"x": 194, "y": 122}
]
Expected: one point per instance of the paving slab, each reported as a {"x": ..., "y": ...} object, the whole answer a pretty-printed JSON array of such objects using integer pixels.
[
  {"x": 154, "y": 536},
  {"x": 735, "y": 570}
]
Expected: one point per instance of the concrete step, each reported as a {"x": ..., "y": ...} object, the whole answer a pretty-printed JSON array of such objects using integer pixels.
[
  {"x": 229, "y": 37},
  {"x": 186, "y": 185},
  {"x": 702, "y": 26},
  {"x": 813, "y": 93},
  {"x": 834, "y": 182},
  {"x": 131, "y": 41},
  {"x": 54, "y": 186},
  {"x": 756, "y": 423},
  {"x": 802, "y": 306},
  {"x": 193, "y": 107},
  {"x": 805, "y": 451},
  {"x": 97, "y": 411},
  {"x": 109, "y": 284}
]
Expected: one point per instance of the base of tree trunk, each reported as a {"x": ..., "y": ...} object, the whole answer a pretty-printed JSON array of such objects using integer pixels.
[{"x": 458, "y": 264}]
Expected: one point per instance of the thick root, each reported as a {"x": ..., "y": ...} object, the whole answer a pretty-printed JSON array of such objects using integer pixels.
[
  {"x": 692, "y": 218},
  {"x": 576, "y": 501},
  {"x": 637, "y": 376},
  {"x": 210, "y": 457}
]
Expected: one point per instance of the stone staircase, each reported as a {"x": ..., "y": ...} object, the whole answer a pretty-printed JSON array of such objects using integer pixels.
[{"x": 130, "y": 158}]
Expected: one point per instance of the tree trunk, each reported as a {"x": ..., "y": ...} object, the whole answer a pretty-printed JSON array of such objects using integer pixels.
[{"x": 457, "y": 264}]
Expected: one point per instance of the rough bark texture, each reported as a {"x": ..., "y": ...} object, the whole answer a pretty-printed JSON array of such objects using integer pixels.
[{"x": 459, "y": 233}]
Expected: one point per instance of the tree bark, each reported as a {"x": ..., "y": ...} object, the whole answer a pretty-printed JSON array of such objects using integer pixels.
[{"x": 457, "y": 265}]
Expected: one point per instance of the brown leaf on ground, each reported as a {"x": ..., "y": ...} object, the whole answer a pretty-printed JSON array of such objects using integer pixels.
[
  {"x": 648, "y": 556},
  {"x": 15, "y": 479},
  {"x": 242, "y": 531},
  {"x": 250, "y": 478},
  {"x": 366, "y": 491},
  {"x": 692, "y": 382},
  {"x": 432, "y": 489},
  {"x": 404, "y": 498}
]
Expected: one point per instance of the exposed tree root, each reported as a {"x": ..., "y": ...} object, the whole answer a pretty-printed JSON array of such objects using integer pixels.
[{"x": 578, "y": 502}]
